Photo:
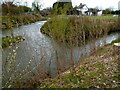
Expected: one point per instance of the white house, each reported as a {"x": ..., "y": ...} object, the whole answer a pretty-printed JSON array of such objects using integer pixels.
[
  {"x": 85, "y": 10},
  {"x": 99, "y": 13},
  {"x": 82, "y": 8}
]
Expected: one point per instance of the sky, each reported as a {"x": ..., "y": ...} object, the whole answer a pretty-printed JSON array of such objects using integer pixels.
[{"x": 102, "y": 4}]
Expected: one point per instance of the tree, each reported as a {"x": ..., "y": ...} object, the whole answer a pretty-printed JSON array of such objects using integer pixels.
[
  {"x": 10, "y": 8},
  {"x": 107, "y": 11},
  {"x": 36, "y": 5},
  {"x": 62, "y": 7}
]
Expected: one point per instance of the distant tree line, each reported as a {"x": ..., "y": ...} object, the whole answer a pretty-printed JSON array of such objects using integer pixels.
[
  {"x": 109, "y": 11},
  {"x": 9, "y": 7}
]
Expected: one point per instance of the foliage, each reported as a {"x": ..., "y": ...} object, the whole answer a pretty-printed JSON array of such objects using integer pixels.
[
  {"x": 115, "y": 12},
  {"x": 62, "y": 7},
  {"x": 109, "y": 11},
  {"x": 36, "y": 6}
]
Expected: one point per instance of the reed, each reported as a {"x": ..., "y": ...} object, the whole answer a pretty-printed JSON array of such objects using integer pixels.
[{"x": 77, "y": 30}]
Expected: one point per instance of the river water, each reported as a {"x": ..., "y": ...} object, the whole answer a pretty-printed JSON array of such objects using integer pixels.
[{"x": 50, "y": 55}]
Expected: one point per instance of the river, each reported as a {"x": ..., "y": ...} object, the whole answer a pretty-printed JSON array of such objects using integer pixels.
[{"x": 38, "y": 48}]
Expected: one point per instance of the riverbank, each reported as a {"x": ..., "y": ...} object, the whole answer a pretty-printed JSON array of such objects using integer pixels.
[
  {"x": 99, "y": 70},
  {"x": 9, "y": 22},
  {"x": 77, "y": 30}
]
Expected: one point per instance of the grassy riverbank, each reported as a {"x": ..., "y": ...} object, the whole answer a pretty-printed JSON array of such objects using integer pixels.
[
  {"x": 99, "y": 70},
  {"x": 10, "y": 21},
  {"x": 75, "y": 30}
]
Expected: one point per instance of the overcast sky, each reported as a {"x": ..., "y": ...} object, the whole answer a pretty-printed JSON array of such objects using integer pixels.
[{"x": 102, "y": 4}]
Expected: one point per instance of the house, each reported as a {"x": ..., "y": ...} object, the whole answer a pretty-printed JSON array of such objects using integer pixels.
[
  {"x": 88, "y": 11},
  {"x": 93, "y": 12},
  {"x": 100, "y": 13},
  {"x": 83, "y": 8}
]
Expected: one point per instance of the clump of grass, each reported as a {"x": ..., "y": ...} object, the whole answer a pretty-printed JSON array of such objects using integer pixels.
[
  {"x": 7, "y": 41},
  {"x": 75, "y": 31}
]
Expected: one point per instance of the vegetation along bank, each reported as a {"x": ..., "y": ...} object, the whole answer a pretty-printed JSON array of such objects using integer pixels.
[
  {"x": 76, "y": 30},
  {"x": 10, "y": 21}
]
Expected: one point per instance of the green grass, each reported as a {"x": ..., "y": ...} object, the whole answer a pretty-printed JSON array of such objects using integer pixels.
[{"x": 10, "y": 40}]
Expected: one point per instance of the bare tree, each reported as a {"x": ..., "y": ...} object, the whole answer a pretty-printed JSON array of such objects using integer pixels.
[
  {"x": 36, "y": 5},
  {"x": 8, "y": 1}
]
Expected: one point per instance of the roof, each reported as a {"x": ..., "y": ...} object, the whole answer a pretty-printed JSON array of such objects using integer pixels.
[{"x": 81, "y": 5}]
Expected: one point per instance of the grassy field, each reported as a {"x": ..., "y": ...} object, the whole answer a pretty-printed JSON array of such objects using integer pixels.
[
  {"x": 99, "y": 70},
  {"x": 18, "y": 20},
  {"x": 72, "y": 29}
]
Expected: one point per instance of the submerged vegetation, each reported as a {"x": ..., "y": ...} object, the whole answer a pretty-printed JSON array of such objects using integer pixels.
[
  {"x": 7, "y": 41},
  {"x": 74, "y": 29}
]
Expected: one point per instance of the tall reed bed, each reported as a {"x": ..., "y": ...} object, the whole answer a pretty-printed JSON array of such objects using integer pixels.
[{"x": 77, "y": 30}]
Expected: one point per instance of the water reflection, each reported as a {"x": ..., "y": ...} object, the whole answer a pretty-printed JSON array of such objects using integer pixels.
[{"x": 38, "y": 48}]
